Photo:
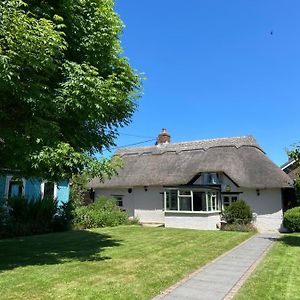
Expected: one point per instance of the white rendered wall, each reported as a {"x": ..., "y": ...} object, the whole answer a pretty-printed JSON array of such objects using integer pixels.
[
  {"x": 127, "y": 199},
  {"x": 268, "y": 207},
  {"x": 147, "y": 206},
  {"x": 204, "y": 221}
]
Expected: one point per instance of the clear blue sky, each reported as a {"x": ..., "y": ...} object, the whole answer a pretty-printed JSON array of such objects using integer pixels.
[{"x": 214, "y": 69}]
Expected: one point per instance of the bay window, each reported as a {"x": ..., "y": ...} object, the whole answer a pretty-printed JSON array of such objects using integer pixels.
[{"x": 192, "y": 200}]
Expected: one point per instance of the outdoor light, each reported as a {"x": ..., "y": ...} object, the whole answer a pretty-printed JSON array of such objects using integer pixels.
[
  {"x": 257, "y": 192},
  {"x": 130, "y": 190},
  {"x": 145, "y": 188}
]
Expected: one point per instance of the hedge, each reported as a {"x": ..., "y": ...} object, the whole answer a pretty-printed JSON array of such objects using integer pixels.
[{"x": 291, "y": 219}]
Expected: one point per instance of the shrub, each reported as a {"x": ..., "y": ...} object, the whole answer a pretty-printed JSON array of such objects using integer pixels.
[
  {"x": 291, "y": 219},
  {"x": 238, "y": 212},
  {"x": 104, "y": 212},
  {"x": 30, "y": 216},
  {"x": 21, "y": 216}
]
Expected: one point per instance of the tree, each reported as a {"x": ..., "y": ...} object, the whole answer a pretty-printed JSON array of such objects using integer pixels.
[
  {"x": 65, "y": 87},
  {"x": 295, "y": 154}
]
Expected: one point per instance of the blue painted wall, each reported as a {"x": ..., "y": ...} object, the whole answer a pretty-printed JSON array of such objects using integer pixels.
[
  {"x": 33, "y": 188},
  {"x": 63, "y": 191},
  {"x": 2, "y": 186}
]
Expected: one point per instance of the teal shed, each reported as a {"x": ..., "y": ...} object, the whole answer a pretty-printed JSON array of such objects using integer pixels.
[{"x": 34, "y": 188}]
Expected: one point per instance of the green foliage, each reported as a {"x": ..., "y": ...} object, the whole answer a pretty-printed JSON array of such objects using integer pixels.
[
  {"x": 291, "y": 219},
  {"x": 65, "y": 87},
  {"x": 238, "y": 212},
  {"x": 33, "y": 216},
  {"x": 104, "y": 212},
  {"x": 295, "y": 152},
  {"x": 4, "y": 214},
  {"x": 297, "y": 189},
  {"x": 78, "y": 188}
]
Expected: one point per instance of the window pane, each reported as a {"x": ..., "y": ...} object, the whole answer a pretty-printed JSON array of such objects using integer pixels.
[
  {"x": 49, "y": 189},
  {"x": 226, "y": 201},
  {"x": 210, "y": 178},
  {"x": 199, "y": 201},
  {"x": 185, "y": 203},
  {"x": 15, "y": 188},
  {"x": 233, "y": 199},
  {"x": 119, "y": 201},
  {"x": 171, "y": 200}
]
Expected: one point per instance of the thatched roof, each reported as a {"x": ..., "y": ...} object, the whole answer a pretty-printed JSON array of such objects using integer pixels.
[{"x": 176, "y": 164}]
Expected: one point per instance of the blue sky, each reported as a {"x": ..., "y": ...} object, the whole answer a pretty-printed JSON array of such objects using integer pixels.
[{"x": 214, "y": 69}]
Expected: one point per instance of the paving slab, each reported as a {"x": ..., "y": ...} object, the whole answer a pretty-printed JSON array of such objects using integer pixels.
[{"x": 218, "y": 279}]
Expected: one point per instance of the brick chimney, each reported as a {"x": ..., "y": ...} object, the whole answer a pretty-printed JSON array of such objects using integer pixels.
[{"x": 163, "y": 138}]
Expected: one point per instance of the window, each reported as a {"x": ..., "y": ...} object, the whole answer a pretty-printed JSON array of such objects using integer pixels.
[
  {"x": 49, "y": 189},
  {"x": 15, "y": 187},
  {"x": 171, "y": 200},
  {"x": 228, "y": 199},
  {"x": 191, "y": 200},
  {"x": 210, "y": 178},
  {"x": 185, "y": 200},
  {"x": 119, "y": 200},
  {"x": 199, "y": 201},
  {"x": 211, "y": 201}
]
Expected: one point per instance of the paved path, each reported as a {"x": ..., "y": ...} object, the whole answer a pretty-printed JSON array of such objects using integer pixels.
[{"x": 219, "y": 279}]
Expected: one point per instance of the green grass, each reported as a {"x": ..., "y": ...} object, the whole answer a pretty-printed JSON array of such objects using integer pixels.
[
  {"x": 278, "y": 276},
  {"x": 126, "y": 262}
]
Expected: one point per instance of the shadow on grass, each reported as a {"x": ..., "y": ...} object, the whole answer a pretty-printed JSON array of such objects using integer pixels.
[
  {"x": 291, "y": 240},
  {"x": 54, "y": 248}
]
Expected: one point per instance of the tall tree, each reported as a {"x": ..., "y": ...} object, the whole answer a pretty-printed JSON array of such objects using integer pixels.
[
  {"x": 295, "y": 154},
  {"x": 65, "y": 88}
]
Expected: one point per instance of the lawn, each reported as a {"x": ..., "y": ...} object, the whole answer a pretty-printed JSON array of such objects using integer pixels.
[
  {"x": 127, "y": 262},
  {"x": 277, "y": 277}
]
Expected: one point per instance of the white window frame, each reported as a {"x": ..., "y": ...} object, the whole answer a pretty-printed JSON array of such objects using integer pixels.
[
  {"x": 43, "y": 190},
  {"x": 214, "y": 196},
  {"x": 8, "y": 179}
]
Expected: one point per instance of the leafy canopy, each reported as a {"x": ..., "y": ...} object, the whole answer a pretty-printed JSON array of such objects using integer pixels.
[
  {"x": 65, "y": 87},
  {"x": 295, "y": 154}
]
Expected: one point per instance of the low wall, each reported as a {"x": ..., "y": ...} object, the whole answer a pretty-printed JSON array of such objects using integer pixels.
[{"x": 205, "y": 221}]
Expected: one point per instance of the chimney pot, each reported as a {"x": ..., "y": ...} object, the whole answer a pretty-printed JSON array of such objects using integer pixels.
[{"x": 163, "y": 138}]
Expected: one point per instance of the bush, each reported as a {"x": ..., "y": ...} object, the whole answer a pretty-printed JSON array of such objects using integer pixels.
[
  {"x": 238, "y": 212},
  {"x": 291, "y": 219},
  {"x": 104, "y": 212},
  {"x": 21, "y": 216}
]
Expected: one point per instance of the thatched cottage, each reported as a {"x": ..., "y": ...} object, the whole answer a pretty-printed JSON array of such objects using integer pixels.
[{"x": 188, "y": 184}]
